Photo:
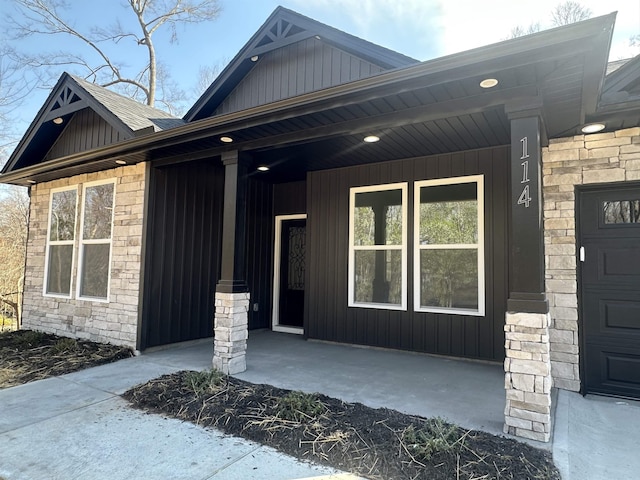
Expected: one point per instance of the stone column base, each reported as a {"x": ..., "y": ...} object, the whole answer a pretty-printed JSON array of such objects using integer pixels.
[
  {"x": 231, "y": 332},
  {"x": 528, "y": 378}
]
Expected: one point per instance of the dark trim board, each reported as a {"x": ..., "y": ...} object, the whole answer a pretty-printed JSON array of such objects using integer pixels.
[{"x": 327, "y": 316}]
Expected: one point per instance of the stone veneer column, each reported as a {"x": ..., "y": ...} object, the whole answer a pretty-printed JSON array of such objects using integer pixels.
[
  {"x": 230, "y": 330},
  {"x": 232, "y": 297},
  {"x": 527, "y": 363},
  {"x": 528, "y": 376}
]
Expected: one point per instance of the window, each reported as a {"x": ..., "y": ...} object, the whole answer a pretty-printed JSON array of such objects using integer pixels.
[
  {"x": 449, "y": 246},
  {"x": 60, "y": 242},
  {"x": 621, "y": 211},
  {"x": 95, "y": 240},
  {"x": 377, "y": 247}
]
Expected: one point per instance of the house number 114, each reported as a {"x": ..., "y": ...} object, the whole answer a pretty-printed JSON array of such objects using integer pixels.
[{"x": 525, "y": 196}]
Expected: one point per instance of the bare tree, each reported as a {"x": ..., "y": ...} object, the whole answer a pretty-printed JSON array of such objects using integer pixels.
[
  {"x": 14, "y": 216},
  {"x": 97, "y": 62},
  {"x": 569, "y": 12},
  {"x": 563, "y": 14},
  {"x": 14, "y": 88},
  {"x": 520, "y": 31}
]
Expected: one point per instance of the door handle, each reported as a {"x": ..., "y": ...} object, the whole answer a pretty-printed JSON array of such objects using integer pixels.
[{"x": 582, "y": 254}]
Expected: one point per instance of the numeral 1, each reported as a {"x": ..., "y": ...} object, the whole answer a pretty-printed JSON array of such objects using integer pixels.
[
  {"x": 525, "y": 171},
  {"x": 525, "y": 147}
]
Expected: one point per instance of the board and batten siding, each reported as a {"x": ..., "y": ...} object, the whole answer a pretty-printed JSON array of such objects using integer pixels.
[
  {"x": 264, "y": 202},
  {"x": 86, "y": 130},
  {"x": 299, "y": 68},
  {"x": 183, "y": 245},
  {"x": 327, "y": 316}
]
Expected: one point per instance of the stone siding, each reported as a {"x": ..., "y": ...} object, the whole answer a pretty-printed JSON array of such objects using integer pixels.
[
  {"x": 528, "y": 376},
  {"x": 114, "y": 322},
  {"x": 231, "y": 332},
  {"x": 568, "y": 162}
]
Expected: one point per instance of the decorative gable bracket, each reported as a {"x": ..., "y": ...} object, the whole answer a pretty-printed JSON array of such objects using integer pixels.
[
  {"x": 68, "y": 101},
  {"x": 277, "y": 35}
]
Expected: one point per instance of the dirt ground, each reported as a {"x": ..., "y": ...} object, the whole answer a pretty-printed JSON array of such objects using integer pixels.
[
  {"x": 26, "y": 356},
  {"x": 373, "y": 443}
]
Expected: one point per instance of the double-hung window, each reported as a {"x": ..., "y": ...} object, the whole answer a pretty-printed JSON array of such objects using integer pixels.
[
  {"x": 60, "y": 242},
  {"x": 449, "y": 246},
  {"x": 377, "y": 247},
  {"x": 95, "y": 240}
]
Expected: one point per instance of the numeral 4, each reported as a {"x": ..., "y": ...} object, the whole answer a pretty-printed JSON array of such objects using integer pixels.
[{"x": 525, "y": 197}]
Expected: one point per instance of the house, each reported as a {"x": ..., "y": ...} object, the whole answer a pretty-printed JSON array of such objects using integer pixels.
[{"x": 329, "y": 187}]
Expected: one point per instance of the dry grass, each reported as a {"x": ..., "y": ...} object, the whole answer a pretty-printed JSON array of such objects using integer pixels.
[
  {"x": 373, "y": 443},
  {"x": 26, "y": 356}
]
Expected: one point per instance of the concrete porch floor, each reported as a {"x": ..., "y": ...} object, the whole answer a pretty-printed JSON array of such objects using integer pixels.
[{"x": 467, "y": 393}]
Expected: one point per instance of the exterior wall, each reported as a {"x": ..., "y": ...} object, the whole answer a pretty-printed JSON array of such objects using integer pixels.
[
  {"x": 86, "y": 130},
  {"x": 568, "y": 162},
  {"x": 183, "y": 243},
  {"x": 115, "y": 322},
  {"x": 327, "y": 315},
  {"x": 302, "y": 67}
]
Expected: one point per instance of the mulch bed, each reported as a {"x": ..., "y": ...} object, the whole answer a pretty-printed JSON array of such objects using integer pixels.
[
  {"x": 26, "y": 356},
  {"x": 373, "y": 443}
]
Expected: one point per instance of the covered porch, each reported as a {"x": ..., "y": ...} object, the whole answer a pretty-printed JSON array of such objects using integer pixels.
[{"x": 467, "y": 393}]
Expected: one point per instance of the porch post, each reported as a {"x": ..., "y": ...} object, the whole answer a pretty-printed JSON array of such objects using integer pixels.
[
  {"x": 527, "y": 364},
  {"x": 232, "y": 296}
]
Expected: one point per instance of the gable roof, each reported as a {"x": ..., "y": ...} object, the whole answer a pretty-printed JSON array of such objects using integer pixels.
[
  {"x": 623, "y": 84},
  {"x": 428, "y": 108},
  {"x": 72, "y": 94},
  {"x": 285, "y": 27}
]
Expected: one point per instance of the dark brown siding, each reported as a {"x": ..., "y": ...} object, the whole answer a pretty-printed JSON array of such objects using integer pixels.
[
  {"x": 290, "y": 198},
  {"x": 183, "y": 250},
  {"x": 86, "y": 130},
  {"x": 264, "y": 202},
  {"x": 293, "y": 70},
  {"x": 259, "y": 252},
  {"x": 327, "y": 316}
]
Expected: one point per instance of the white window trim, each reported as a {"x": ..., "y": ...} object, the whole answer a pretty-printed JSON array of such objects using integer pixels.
[
  {"x": 82, "y": 242},
  {"x": 59, "y": 242},
  {"x": 403, "y": 247},
  {"x": 479, "y": 180}
]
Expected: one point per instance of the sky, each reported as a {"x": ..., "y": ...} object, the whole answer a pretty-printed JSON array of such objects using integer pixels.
[{"x": 423, "y": 29}]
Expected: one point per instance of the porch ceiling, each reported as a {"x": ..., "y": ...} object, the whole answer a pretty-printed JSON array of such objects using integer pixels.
[{"x": 425, "y": 116}]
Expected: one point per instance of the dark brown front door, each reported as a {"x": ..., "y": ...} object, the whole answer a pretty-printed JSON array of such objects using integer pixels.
[
  {"x": 610, "y": 289},
  {"x": 292, "y": 272}
]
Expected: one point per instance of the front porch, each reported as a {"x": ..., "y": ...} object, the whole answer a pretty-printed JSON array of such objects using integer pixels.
[{"x": 467, "y": 393}]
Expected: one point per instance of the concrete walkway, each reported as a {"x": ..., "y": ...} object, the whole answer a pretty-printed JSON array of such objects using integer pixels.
[
  {"x": 596, "y": 438},
  {"x": 77, "y": 426}
]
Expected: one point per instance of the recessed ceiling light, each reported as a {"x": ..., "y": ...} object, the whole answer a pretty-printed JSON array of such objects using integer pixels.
[
  {"x": 318, "y": 37},
  {"x": 121, "y": 162},
  {"x": 255, "y": 58},
  {"x": 58, "y": 120},
  {"x": 593, "y": 128},
  {"x": 32, "y": 182},
  {"x": 489, "y": 83},
  {"x": 371, "y": 139},
  {"x": 226, "y": 139},
  {"x": 263, "y": 168}
]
